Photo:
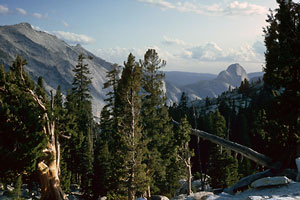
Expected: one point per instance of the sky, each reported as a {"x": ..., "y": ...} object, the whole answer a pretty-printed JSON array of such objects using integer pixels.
[{"x": 204, "y": 36}]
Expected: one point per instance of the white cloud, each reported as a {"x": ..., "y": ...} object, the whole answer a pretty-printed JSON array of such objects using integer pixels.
[
  {"x": 171, "y": 41},
  {"x": 64, "y": 23},
  {"x": 191, "y": 57},
  {"x": 37, "y": 15},
  {"x": 119, "y": 55},
  {"x": 159, "y": 3},
  {"x": 3, "y": 9},
  {"x": 21, "y": 11},
  {"x": 259, "y": 48},
  {"x": 73, "y": 38},
  {"x": 211, "y": 52},
  {"x": 231, "y": 8},
  {"x": 208, "y": 52},
  {"x": 245, "y": 8}
]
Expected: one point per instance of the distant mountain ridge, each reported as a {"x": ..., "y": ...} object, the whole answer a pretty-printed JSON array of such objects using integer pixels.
[
  {"x": 180, "y": 78},
  {"x": 54, "y": 59},
  {"x": 51, "y": 58},
  {"x": 231, "y": 77}
]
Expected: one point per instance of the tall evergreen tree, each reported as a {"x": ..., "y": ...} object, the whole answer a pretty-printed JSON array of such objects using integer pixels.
[
  {"x": 283, "y": 76},
  {"x": 28, "y": 139},
  {"x": 65, "y": 128},
  {"x": 184, "y": 154},
  {"x": 129, "y": 128},
  {"x": 83, "y": 118},
  {"x": 106, "y": 177},
  {"x": 81, "y": 80},
  {"x": 221, "y": 157},
  {"x": 156, "y": 121}
]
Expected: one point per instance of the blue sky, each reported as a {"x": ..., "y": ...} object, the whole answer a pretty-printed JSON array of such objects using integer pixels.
[{"x": 191, "y": 35}]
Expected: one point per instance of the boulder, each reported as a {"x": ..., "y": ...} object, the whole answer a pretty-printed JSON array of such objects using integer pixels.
[
  {"x": 2, "y": 187},
  {"x": 255, "y": 198},
  {"x": 196, "y": 187},
  {"x": 159, "y": 197},
  {"x": 199, "y": 196},
  {"x": 270, "y": 181},
  {"x": 194, "y": 196},
  {"x": 180, "y": 197},
  {"x": 10, "y": 188}
]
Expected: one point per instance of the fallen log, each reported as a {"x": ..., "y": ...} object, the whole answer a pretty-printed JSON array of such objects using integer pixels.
[{"x": 249, "y": 153}]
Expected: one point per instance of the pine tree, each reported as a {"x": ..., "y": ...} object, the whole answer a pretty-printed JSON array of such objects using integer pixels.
[
  {"x": 28, "y": 138},
  {"x": 184, "y": 154},
  {"x": 40, "y": 89},
  {"x": 132, "y": 147},
  {"x": 221, "y": 157},
  {"x": 72, "y": 146},
  {"x": 244, "y": 87},
  {"x": 67, "y": 129},
  {"x": 81, "y": 80},
  {"x": 183, "y": 105},
  {"x": 105, "y": 155},
  {"x": 156, "y": 121},
  {"x": 2, "y": 76},
  {"x": 283, "y": 76},
  {"x": 82, "y": 111},
  {"x": 21, "y": 127}
]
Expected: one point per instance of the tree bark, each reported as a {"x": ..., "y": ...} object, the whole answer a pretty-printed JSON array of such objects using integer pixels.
[
  {"x": 243, "y": 150},
  {"x": 50, "y": 184},
  {"x": 189, "y": 177},
  {"x": 148, "y": 192},
  {"x": 48, "y": 168}
]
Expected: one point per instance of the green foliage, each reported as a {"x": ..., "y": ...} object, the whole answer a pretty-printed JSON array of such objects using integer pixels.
[
  {"x": 157, "y": 129},
  {"x": 40, "y": 89},
  {"x": 129, "y": 128},
  {"x": 105, "y": 155},
  {"x": 80, "y": 99},
  {"x": 221, "y": 157},
  {"x": 2, "y": 76},
  {"x": 182, "y": 150},
  {"x": 81, "y": 80},
  {"x": 244, "y": 87},
  {"x": 113, "y": 196},
  {"x": 282, "y": 76},
  {"x": 21, "y": 131}
]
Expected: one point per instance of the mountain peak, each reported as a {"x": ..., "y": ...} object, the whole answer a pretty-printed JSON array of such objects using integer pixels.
[
  {"x": 24, "y": 24},
  {"x": 51, "y": 58},
  {"x": 236, "y": 69},
  {"x": 233, "y": 75}
]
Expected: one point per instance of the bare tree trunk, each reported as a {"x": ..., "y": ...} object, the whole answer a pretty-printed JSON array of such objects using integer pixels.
[
  {"x": 49, "y": 167},
  {"x": 243, "y": 150},
  {"x": 189, "y": 176},
  {"x": 50, "y": 184},
  {"x": 148, "y": 192}
]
